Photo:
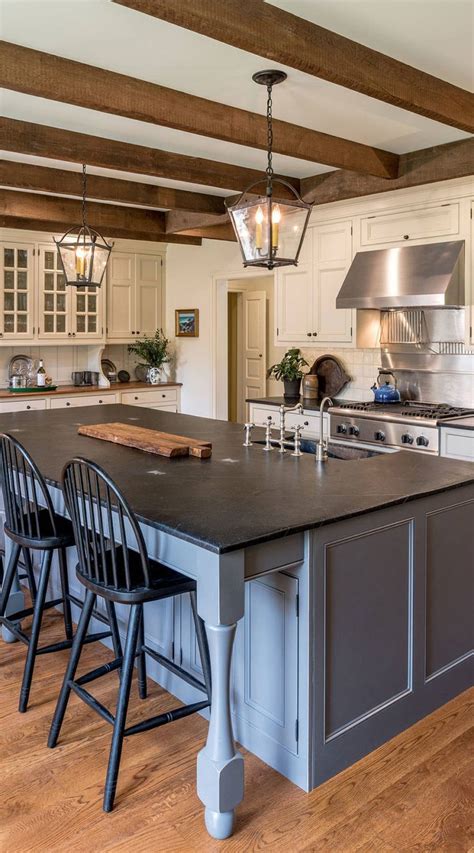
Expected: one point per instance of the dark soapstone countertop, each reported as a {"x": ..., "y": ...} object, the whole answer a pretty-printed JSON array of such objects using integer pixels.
[{"x": 240, "y": 496}]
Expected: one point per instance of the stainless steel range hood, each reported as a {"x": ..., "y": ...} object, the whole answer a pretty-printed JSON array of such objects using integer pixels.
[{"x": 406, "y": 277}]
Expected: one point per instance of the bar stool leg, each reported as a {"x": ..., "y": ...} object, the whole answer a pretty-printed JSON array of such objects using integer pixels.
[
  {"x": 112, "y": 616},
  {"x": 65, "y": 591},
  {"x": 8, "y": 578},
  {"x": 76, "y": 650},
  {"x": 122, "y": 705},
  {"x": 141, "y": 661},
  {"x": 30, "y": 573},
  {"x": 35, "y": 631}
]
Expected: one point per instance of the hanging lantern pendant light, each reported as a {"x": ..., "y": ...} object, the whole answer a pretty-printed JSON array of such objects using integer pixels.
[
  {"x": 270, "y": 230},
  {"x": 83, "y": 252}
]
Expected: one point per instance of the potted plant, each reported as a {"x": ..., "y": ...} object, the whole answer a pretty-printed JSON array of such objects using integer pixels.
[
  {"x": 152, "y": 353},
  {"x": 289, "y": 370}
]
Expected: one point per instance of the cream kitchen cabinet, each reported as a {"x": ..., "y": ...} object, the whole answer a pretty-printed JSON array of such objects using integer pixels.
[
  {"x": 82, "y": 400},
  {"x": 66, "y": 313},
  {"x": 135, "y": 295},
  {"x": 166, "y": 399},
  {"x": 306, "y": 310},
  {"x": 441, "y": 220},
  {"x": 17, "y": 292},
  {"x": 16, "y": 405}
]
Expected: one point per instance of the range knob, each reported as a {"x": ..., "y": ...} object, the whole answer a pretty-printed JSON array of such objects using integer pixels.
[
  {"x": 407, "y": 438},
  {"x": 341, "y": 428},
  {"x": 354, "y": 430},
  {"x": 422, "y": 441},
  {"x": 379, "y": 435}
]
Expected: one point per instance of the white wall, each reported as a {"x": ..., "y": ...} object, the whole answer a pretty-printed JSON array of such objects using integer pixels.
[{"x": 189, "y": 271}]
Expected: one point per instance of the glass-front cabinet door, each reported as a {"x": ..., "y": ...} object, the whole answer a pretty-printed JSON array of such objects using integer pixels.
[
  {"x": 86, "y": 314},
  {"x": 16, "y": 292},
  {"x": 53, "y": 296}
]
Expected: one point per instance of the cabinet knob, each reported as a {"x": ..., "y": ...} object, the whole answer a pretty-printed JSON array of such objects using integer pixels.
[
  {"x": 68, "y": 404},
  {"x": 308, "y": 334},
  {"x": 137, "y": 333},
  {"x": 28, "y": 407},
  {"x": 101, "y": 401},
  {"x": 163, "y": 395},
  {"x": 136, "y": 398},
  {"x": 406, "y": 236},
  {"x": 69, "y": 334},
  {"x": 315, "y": 334}
]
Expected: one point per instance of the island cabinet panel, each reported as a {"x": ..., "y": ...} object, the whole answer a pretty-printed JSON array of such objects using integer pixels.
[
  {"x": 449, "y": 594},
  {"x": 265, "y": 665},
  {"x": 367, "y": 624}
]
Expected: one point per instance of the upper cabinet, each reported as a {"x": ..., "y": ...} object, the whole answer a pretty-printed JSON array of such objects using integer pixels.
[
  {"x": 135, "y": 295},
  {"x": 306, "y": 295},
  {"x": 17, "y": 291},
  {"x": 423, "y": 224},
  {"x": 66, "y": 313}
]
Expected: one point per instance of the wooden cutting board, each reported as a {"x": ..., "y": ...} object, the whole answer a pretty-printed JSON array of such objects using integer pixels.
[{"x": 149, "y": 440}]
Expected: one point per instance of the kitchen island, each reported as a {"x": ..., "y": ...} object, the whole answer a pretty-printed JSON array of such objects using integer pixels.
[{"x": 355, "y": 578}]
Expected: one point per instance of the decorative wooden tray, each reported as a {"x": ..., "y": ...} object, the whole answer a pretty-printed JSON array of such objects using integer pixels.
[
  {"x": 31, "y": 389},
  {"x": 149, "y": 440}
]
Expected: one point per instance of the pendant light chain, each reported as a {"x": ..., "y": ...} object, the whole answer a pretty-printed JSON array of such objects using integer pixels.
[
  {"x": 84, "y": 187},
  {"x": 269, "y": 169}
]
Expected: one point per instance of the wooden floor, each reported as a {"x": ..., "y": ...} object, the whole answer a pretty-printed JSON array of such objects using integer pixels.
[{"x": 414, "y": 793}]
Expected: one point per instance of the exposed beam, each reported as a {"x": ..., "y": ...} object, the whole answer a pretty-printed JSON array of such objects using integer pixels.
[
  {"x": 58, "y": 144},
  {"x": 66, "y": 212},
  {"x": 212, "y": 232},
  {"x": 57, "y": 227},
  {"x": 27, "y": 176},
  {"x": 47, "y": 76},
  {"x": 281, "y": 37},
  {"x": 179, "y": 220},
  {"x": 429, "y": 165}
]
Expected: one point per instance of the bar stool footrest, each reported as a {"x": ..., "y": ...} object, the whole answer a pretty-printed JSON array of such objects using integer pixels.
[
  {"x": 167, "y": 717},
  {"x": 99, "y": 671},
  {"x": 93, "y": 703},
  {"x": 175, "y": 669},
  {"x": 15, "y": 630}
]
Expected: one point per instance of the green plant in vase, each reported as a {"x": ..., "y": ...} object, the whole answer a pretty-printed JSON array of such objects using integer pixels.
[
  {"x": 152, "y": 353},
  {"x": 289, "y": 370}
]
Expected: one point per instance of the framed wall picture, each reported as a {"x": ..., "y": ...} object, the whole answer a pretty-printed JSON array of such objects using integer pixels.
[{"x": 187, "y": 322}]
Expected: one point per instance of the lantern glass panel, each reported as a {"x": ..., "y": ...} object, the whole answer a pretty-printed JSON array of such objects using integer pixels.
[
  {"x": 269, "y": 230},
  {"x": 83, "y": 258}
]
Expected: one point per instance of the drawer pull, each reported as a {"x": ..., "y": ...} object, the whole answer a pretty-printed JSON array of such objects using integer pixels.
[
  {"x": 406, "y": 236},
  {"x": 68, "y": 404},
  {"x": 163, "y": 395},
  {"x": 136, "y": 398},
  {"x": 28, "y": 407},
  {"x": 101, "y": 401}
]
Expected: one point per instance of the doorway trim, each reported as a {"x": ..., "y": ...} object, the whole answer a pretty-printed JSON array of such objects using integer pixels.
[{"x": 219, "y": 342}]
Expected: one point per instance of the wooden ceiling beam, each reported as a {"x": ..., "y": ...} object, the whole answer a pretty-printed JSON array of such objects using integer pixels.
[
  {"x": 180, "y": 220},
  {"x": 27, "y": 176},
  {"x": 429, "y": 165},
  {"x": 44, "y": 75},
  {"x": 57, "y": 144},
  {"x": 282, "y": 37},
  {"x": 110, "y": 220},
  {"x": 212, "y": 232},
  {"x": 56, "y": 227}
]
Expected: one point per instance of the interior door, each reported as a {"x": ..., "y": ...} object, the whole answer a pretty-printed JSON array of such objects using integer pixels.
[{"x": 254, "y": 344}]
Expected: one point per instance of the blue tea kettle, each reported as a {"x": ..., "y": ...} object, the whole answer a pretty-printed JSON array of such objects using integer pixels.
[{"x": 384, "y": 390}]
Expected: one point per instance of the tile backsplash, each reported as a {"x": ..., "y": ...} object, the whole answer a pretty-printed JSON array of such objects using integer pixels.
[
  {"x": 59, "y": 362},
  {"x": 361, "y": 365}
]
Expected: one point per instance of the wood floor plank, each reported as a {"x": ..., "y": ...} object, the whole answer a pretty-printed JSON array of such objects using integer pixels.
[{"x": 412, "y": 794}]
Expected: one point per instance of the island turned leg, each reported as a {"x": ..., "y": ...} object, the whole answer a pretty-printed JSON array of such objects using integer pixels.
[
  {"x": 220, "y": 766},
  {"x": 16, "y": 599}
]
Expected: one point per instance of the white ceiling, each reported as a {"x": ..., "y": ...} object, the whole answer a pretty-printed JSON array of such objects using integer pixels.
[{"x": 435, "y": 35}]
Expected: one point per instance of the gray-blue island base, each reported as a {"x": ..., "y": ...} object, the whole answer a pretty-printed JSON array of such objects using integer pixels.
[{"x": 356, "y": 616}]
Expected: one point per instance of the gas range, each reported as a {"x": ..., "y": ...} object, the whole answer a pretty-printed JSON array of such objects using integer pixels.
[{"x": 411, "y": 425}]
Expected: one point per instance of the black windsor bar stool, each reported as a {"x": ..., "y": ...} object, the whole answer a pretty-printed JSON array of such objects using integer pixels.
[
  {"x": 114, "y": 565},
  {"x": 32, "y": 525}
]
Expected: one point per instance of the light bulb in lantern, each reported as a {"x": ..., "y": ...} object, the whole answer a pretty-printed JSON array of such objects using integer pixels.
[
  {"x": 258, "y": 227},
  {"x": 82, "y": 255},
  {"x": 276, "y": 217}
]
